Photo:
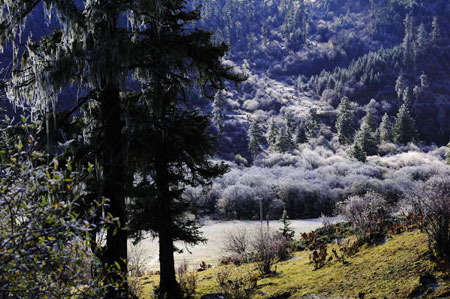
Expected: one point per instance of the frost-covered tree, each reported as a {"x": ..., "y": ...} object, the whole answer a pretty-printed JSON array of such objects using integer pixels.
[
  {"x": 256, "y": 138},
  {"x": 284, "y": 141},
  {"x": 366, "y": 137},
  {"x": 345, "y": 123},
  {"x": 358, "y": 153},
  {"x": 407, "y": 97},
  {"x": 386, "y": 129},
  {"x": 272, "y": 133},
  {"x": 312, "y": 123},
  {"x": 408, "y": 42},
  {"x": 436, "y": 33},
  {"x": 421, "y": 44},
  {"x": 218, "y": 112},
  {"x": 300, "y": 133},
  {"x": 92, "y": 48},
  {"x": 400, "y": 86},
  {"x": 404, "y": 128}
]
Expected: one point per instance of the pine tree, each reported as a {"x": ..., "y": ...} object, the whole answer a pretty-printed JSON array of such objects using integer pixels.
[
  {"x": 366, "y": 138},
  {"x": 218, "y": 113},
  {"x": 404, "y": 128},
  {"x": 284, "y": 142},
  {"x": 345, "y": 123},
  {"x": 91, "y": 48},
  {"x": 286, "y": 231},
  {"x": 256, "y": 138},
  {"x": 400, "y": 86},
  {"x": 408, "y": 42},
  {"x": 290, "y": 123},
  {"x": 312, "y": 123},
  {"x": 358, "y": 153},
  {"x": 407, "y": 97},
  {"x": 436, "y": 33},
  {"x": 421, "y": 44},
  {"x": 300, "y": 134},
  {"x": 386, "y": 130},
  {"x": 272, "y": 134}
]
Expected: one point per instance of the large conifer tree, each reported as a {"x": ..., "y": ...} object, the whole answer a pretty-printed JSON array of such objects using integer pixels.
[
  {"x": 404, "y": 129},
  {"x": 92, "y": 48},
  {"x": 345, "y": 123}
]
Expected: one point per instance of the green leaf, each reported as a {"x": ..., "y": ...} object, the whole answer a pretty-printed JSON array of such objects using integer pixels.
[{"x": 117, "y": 265}]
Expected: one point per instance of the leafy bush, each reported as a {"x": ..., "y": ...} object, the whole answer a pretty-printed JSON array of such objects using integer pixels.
[{"x": 44, "y": 244}]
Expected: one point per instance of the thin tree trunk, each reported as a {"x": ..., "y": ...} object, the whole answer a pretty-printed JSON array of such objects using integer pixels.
[{"x": 115, "y": 254}]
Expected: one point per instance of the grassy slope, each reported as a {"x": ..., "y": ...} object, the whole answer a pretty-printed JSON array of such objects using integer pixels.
[{"x": 390, "y": 270}]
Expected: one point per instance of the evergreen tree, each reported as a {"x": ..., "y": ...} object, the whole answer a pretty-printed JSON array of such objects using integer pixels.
[
  {"x": 312, "y": 123},
  {"x": 286, "y": 231},
  {"x": 366, "y": 138},
  {"x": 345, "y": 123},
  {"x": 408, "y": 42},
  {"x": 300, "y": 134},
  {"x": 218, "y": 112},
  {"x": 404, "y": 128},
  {"x": 421, "y": 44},
  {"x": 436, "y": 33},
  {"x": 400, "y": 86},
  {"x": 407, "y": 97},
  {"x": 91, "y": 48},
  {"x": 358, "y": 153},
  {"x": 272, "y": 133},
  {"x": 386, "y": 130},
  {"x": 256, "y": 138},
  {"x": 284, "y": 142},
  {"x": 290, "y": 123}
]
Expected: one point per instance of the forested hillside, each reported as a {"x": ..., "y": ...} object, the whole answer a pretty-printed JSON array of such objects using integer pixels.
[
  {"x": 310, "y": 54},
  {"x": 341, "y": 97}
]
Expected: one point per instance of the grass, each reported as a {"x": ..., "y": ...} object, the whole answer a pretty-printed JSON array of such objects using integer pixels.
[{"x": 395, "y": 269}]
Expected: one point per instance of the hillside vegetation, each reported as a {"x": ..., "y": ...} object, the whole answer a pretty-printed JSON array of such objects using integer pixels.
[{"x": 399, "y": 268}]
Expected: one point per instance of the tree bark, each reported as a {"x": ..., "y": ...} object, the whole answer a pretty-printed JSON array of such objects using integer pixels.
[
  {"x": 168, "y": 287},
  {"x": 115, "y": 254}
]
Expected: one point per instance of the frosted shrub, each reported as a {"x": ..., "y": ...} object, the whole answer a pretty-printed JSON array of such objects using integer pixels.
[
  {"x": 430, "y": 203},
  {"x": 237, "y": 244},
  {"x": 268, "y": 248},
  {"x": 367, "y": 214}
]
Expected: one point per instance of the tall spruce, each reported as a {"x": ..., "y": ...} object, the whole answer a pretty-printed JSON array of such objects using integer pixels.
[
  {"x": 300, "y": 133},
  {"x": 256, "y": 138},
  {"x": 386, "y": 130},
  {"x": 345, "y": 123},
  {"x": 284, "y": 142},
  {"x": 312, "y": 123},
  {"x": 436, "y": 33},
  {"x": 404, "y": 129},
  {"x": 218, "y": 112},
  {"x": 272, "y": 133},
  {"x": 408, "y": 42},
  {"x": 366, "y": 138},
  {"x": 91, "y": 48}
]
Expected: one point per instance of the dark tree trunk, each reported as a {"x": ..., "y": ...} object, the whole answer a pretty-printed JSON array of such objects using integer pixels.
[
  {"x": 168, "y": 287},
  {"x": 113, "y": 182}
]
